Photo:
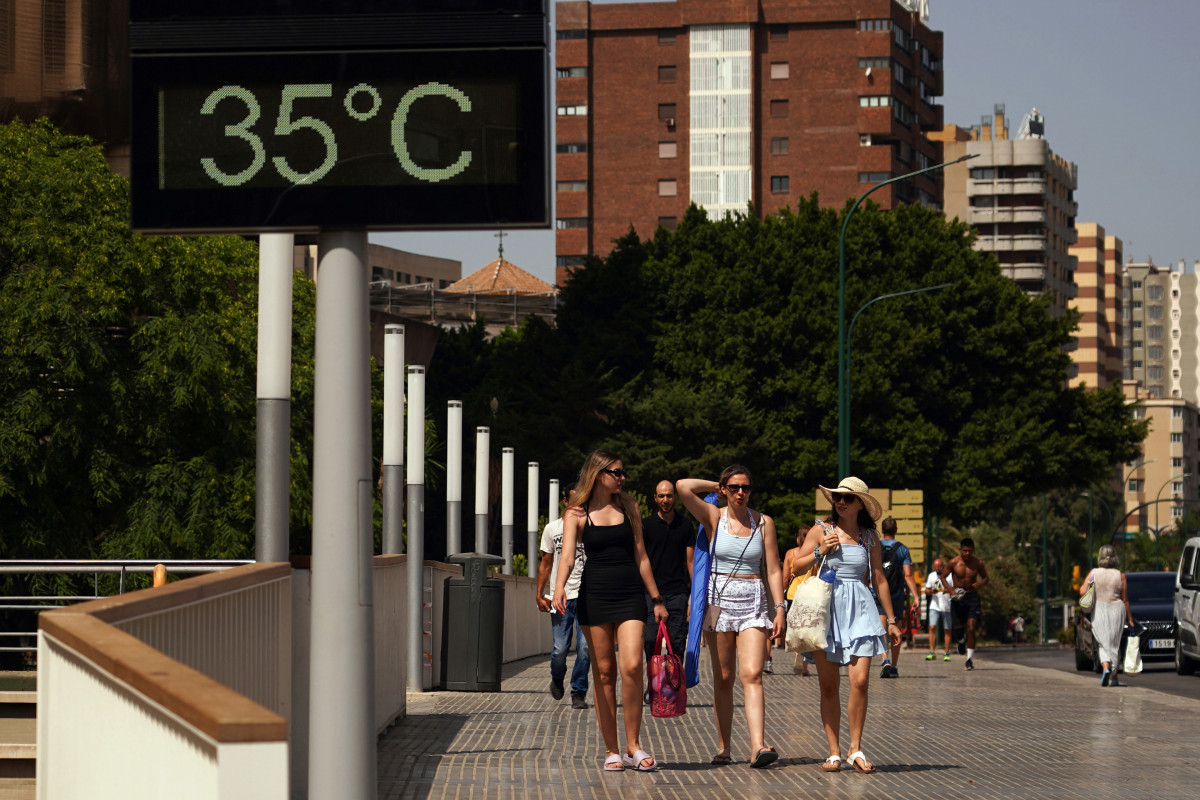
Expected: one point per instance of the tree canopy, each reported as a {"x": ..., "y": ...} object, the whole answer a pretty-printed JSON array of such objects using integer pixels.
[
  {"x": 716, "y": 343},
  {"x": 127, "y": 366}
]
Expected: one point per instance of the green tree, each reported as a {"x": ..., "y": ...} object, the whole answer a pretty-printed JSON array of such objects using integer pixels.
[{"x": 127, "y": 369}]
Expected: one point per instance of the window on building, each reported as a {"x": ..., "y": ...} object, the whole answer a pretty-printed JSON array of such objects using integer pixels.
[
  {"x": 1154, "y": 372},
  {"x": 874, "y": 101},
  {"x": 572, "y": 111},
  {"x": 983, "y": 173},
  {"x": 1175, "y": 354},
  {"x": 874, "y": 24},
  {"x": 570, "y": 72},
  {"x": 983, "y": 201},
  {"x": 1175, "y": 314},
  {"x": 1176, "y": 438},
  {"x": 668, "y": 149},
  {"x": 779, "y": 33},
  {"x": 666, "y": 73},
  {"x": 576, "y": 33},
  {"x": 1176, "y": 413},
  {"x": 779, "y": 70},
  {"x": 903, "y": 112},
  {"x": 8, "y": 39},
  {"x": 1177, "y": 511},
  {"x": 570, "y": 261},
  {"x": 1126, "y": 353},
  {"x": 1154, "y": 312},
  {"x": 570, "y": 147},
  {"x": 668, "y": 222},
  {"x": 666, "y": 111},
  {"x": 666, "y": 35},
  {"x": 1137, "y": 284},
  {"x": 873, "y": 63},
  {"x": 1154, "y": 292},
  {"x": 668, "y": 187},
  {"x": 1136, "y": 484},
  {"x": 1137, "y": 344},
  {"x": 1154, "y": 391},
  {"x": 1137, "y": 324},
  {"x": 1175, "y": 333},
  {"x": 1154, "y": 352},
  {"x": 572, "y": 186},
  {"x": 1176, "y": 463},
  {"x": 1139, "y": 412},
  {"x": 1174, "y": 293},
  {"x": 779, "y": 108},
  {"x": 779, "y": 145},
  {"x": 1175, "y": 374},
  {"x": 900, "y": 73},
  {"x": 1154, "y": 332},
  {"x": 563, "y": 223},
  {"x": 873, "y": 177},
  {"x": 1137, "y": 364},
  {"x": 1127, "y": 374},
  {"x": 779, "y": 184}
]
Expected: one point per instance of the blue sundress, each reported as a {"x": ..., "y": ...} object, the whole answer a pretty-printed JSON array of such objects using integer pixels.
[{"x": 854, "y": 627}]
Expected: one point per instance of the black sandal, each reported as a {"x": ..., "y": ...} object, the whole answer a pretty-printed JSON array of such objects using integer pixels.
[{"x": 763, "y": 757}]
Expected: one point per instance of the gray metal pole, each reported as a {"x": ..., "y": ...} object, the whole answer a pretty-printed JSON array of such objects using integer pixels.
[
  {"x": 483, "y": 438},
  {"x": 507, "y": 465},
  {"x": 552, "y": 505},
  {"x": 393, "y": 438},
  {"x": 453, "y": 477},
  {"x": 416, "y": 643},
  {"x": 272, "y": 471},
  {"x": 531, "y": 520},
  {"x": 342, "y": 747}
]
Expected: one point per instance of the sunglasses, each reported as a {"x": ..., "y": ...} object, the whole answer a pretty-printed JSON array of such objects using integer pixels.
[
  {"x": 837, "y": 497},
  {"x": 739, "y": 487},
  {"x": 617, "y": 473}
]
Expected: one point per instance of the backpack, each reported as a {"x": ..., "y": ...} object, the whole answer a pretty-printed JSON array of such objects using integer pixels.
[{"x": 893, "y": 569}]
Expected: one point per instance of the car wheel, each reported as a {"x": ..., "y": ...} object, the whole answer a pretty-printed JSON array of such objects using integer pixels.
[
  {"x": 1082, "y": 662},
  {"x": 1183, "y": 664}
]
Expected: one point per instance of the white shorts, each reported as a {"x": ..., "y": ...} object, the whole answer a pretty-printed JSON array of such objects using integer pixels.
[
  {"x": 743, "y": 604},
  {"x": 936, "y": 616}
]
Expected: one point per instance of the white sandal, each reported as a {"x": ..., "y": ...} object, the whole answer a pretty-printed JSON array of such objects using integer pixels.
[
  {"x": 854, "y": 760},
  {"x": 832, "y": 764}
]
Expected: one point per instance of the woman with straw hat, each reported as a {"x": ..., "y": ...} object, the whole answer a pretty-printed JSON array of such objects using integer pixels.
[{"x": 847, "y": 542}]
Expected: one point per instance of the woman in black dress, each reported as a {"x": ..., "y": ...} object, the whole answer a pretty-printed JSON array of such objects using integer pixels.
[{"x": 611, "y": 608}]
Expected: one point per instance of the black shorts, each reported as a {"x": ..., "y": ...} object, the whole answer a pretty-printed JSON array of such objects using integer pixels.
[{"x": 965, "y": 608}]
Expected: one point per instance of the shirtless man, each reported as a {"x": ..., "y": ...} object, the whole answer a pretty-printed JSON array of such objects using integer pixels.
[{"x": 970, "y": 575}]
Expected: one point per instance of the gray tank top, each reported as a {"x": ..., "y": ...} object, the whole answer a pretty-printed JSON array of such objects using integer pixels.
[{"x": 727, "y": 548}]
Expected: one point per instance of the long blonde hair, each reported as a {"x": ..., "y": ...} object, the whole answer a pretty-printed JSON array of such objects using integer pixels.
[{"x": 586, "y": 485}]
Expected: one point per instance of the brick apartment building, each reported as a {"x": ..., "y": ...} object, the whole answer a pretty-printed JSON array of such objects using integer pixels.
[
  {"x": 1100, "y": 305},
  {"x": 730, "y": 102}
]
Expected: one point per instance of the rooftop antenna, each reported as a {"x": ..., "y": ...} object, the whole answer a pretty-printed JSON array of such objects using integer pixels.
[{"x": 501, "y": 236}]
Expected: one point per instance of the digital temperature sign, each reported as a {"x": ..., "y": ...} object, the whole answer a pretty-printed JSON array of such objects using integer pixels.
[{"x": 413, "y": 138}]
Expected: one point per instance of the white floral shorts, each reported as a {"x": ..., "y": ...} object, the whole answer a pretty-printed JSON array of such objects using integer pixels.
[{"x": 743, "y": 603}]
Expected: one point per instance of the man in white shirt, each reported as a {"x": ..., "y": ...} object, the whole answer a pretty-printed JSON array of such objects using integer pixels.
[
  {"x": 563, "y": 624},
  {"x": 939, "y": 586}
]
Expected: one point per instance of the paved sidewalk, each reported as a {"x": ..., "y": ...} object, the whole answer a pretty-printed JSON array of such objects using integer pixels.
[{"x": 1000, "y": 731}]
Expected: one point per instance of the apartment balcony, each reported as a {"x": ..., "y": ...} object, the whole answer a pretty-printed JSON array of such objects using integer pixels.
[
  {"x": 1006, "y": 186},
  {"x": 1008, "y": 244},
  {"x": 987, "y": 216},
  {"x": 1025, "y": 273}
]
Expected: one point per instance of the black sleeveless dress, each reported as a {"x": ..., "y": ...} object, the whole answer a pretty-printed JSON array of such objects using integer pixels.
[{"x": 611, "y": 589}]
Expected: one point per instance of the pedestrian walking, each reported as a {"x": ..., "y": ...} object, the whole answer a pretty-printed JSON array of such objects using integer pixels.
[
  {"x": 847, "y": 541},
  {"x": 1018, "y": 626},
  {"x": 1110, "y": 611},
  {"x": 939, "y": 586},
  {"x": 739, "y": 625},
  {"x": 670, "y": 541},
  {"x": 898, "y": 570},
  {"x": 970, "y": 575},
  {"x": 563, "y": 625},
  {"x": 610, "y": 606}
]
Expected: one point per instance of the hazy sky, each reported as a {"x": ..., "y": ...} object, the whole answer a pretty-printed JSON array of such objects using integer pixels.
[{"x": 1118, "y": 84}]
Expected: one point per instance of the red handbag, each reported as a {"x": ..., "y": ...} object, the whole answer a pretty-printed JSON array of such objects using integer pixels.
[{"x": 665, "y": 679}]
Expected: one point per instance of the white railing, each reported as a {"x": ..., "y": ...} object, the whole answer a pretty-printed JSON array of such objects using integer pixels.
[{"x": 113, "y": 709}]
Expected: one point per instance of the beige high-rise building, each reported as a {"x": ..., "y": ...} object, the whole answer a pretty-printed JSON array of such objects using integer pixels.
[
  {"x": 1097, "y": 357},
  {"x": 1019, "y": 196},
  {"x": 1166, "y": 472}
]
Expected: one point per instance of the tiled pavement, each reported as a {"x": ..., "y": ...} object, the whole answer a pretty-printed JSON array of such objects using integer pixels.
[{"x": 1000, "y": 731}]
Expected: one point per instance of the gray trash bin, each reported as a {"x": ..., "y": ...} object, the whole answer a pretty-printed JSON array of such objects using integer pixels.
[{"x": 473, "y": 626}]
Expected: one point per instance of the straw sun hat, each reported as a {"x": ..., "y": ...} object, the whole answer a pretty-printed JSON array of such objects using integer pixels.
[{"x": 858, "y": 488}]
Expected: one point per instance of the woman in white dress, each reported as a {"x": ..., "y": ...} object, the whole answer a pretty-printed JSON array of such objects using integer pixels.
[{"x": 1110, "y": 612}]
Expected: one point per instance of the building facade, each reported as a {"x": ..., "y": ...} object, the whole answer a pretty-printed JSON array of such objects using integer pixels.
[
  {"x": 1165, "y": 475},
  {"x": 1098, "y": 354},
  {"x": 730, "y": 102},
  {"x": 1019, "y": 197},
  {"x": 1162, "y": 329}
]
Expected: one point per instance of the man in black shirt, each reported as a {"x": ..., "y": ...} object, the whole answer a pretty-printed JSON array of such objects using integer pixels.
[{"x": 670, "y": 541}]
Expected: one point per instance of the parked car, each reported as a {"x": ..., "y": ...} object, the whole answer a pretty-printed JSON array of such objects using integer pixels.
[
  {"x": 1187, "y": 609},
  {"x": 1151, "y": 598}
]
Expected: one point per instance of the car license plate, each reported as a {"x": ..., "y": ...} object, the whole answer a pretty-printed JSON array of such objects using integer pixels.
[{"x": 1161, "y": 644}]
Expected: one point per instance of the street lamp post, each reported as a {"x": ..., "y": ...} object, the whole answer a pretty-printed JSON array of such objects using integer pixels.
[
  {"x": 1157, "y": 498},
  {"x": 1130, "y": 471},
  {"x": 1107, "y": 508},
  {"x": 843, "y": 376}
]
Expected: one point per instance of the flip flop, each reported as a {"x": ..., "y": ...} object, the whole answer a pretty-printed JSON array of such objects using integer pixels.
[
  {"x": 763, "y": 757},
  {"x": 635, "y": 761},
  {"x": 832, "y": 764},
  {"x": 855, "y": 760},
  {"x": 720, "y": 759},
  {"x": 614, "y": 763}
]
